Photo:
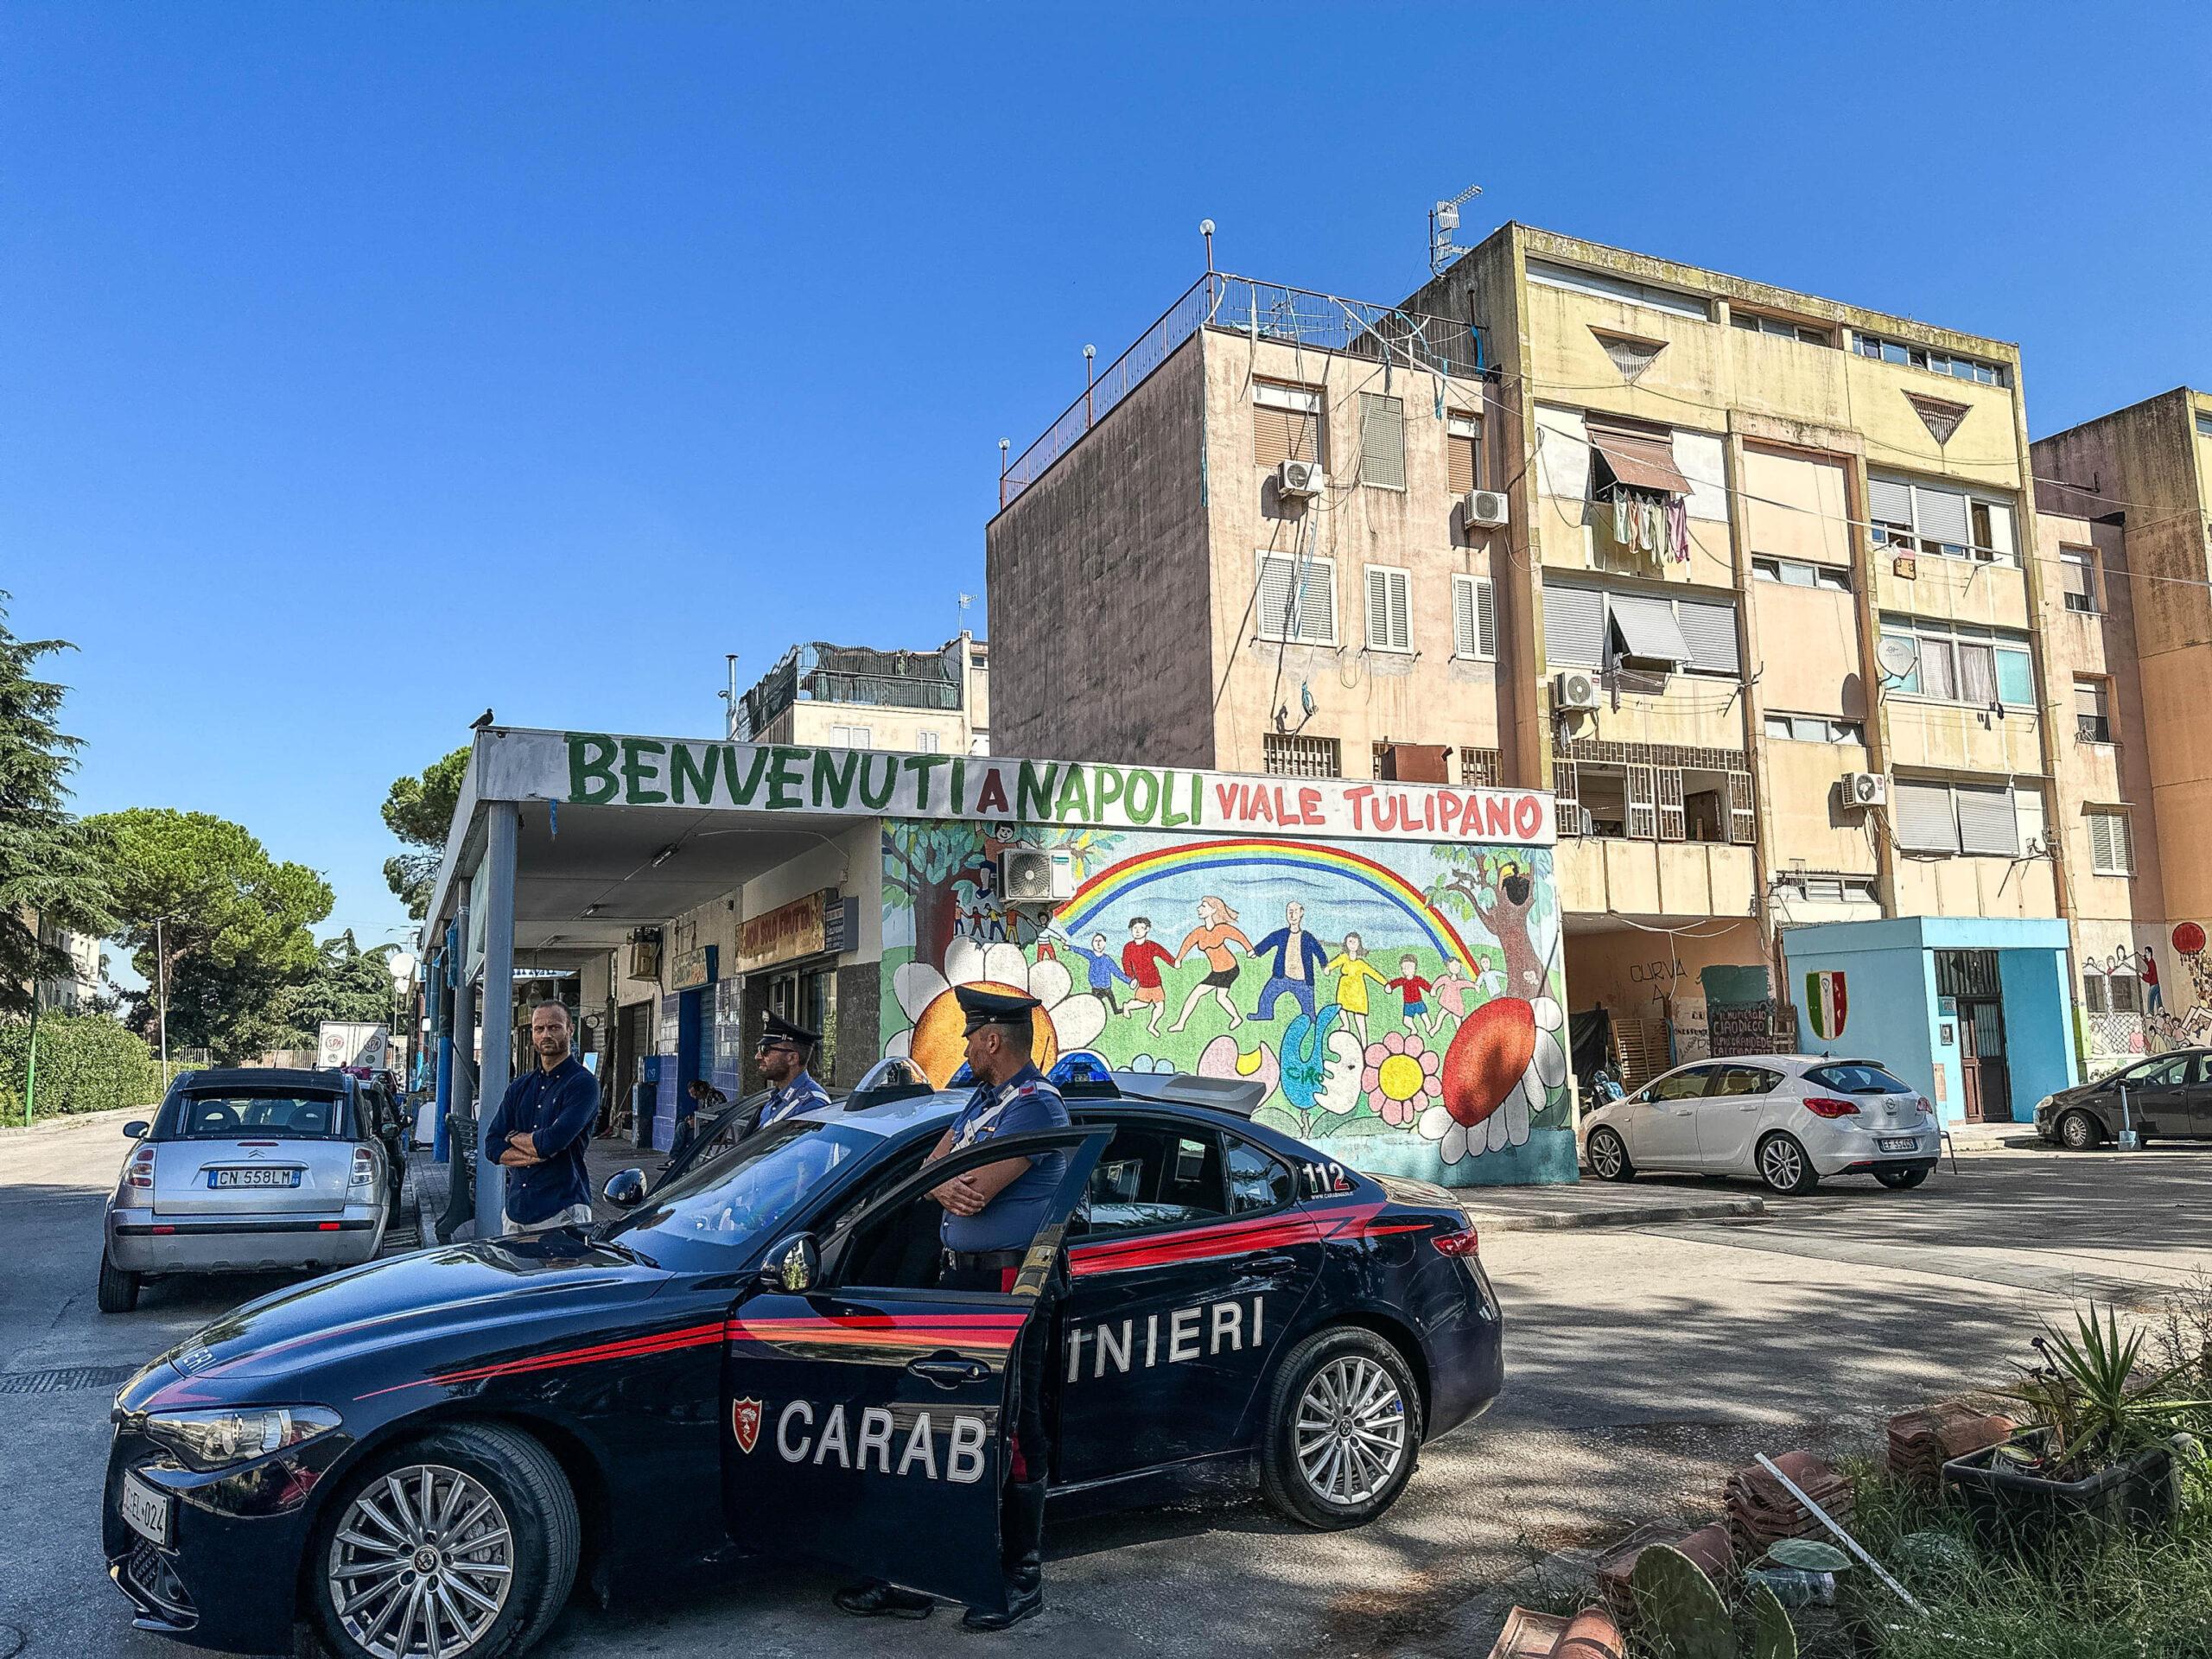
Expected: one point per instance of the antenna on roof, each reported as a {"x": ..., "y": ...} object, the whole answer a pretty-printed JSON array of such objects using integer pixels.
[{"x": 1443, "y": 219}]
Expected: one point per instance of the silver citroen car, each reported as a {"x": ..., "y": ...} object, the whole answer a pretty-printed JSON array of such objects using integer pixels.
[{"x": 246, "y": 1170}]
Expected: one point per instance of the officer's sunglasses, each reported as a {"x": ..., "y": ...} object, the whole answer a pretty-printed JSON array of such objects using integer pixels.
[{"x": 766, "y": 1044}]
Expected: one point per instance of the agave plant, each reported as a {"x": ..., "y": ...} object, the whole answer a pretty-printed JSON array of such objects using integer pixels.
[{"x": 2088, "y": 1394}]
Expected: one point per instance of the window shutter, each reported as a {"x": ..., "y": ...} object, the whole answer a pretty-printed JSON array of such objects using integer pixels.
[
  {"x": 1925, "y": 820},
  {"x": 1402, "y": 610},
  {"x": 1389, "y": 620},
  {"x": 2101, "y": 849},
  {"x": 1317, "y": 608},
  {"x": 1742, "y": 822},
  {"x": 1459, "y": 461},
  {"x": 1987, "y": 822},
  {"x": 1642, "y": 814},
  {"x": 1889, "y": 501},
  {"x": 2093, "y": 995},
  {"x": 1463, "y": 617},
  {"x": 2127, "y": 994},
  {"x": 1709, "y": 630},
  {"x": 1574, "y": 626},
  {"x": 1382, "y": 441},
  {"x": 1670, "y": 803},
  {"x": 1486, "y": 618},
  {"x": 1277, "y": 619},
  {"x": 1940, "y": 514},
  {"x": 1566, "y": 799}
]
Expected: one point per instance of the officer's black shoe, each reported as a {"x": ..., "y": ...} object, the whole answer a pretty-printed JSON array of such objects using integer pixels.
[
  {"x": 876, "y": 1599},
  {"x": 1018, "y": 1608}
]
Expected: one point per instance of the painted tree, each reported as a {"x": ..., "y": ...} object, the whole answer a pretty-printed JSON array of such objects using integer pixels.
[
  {"x": 206, "y": 912},
  {"x": 1498, "y": 891},
  {"x": 933, "y": 870},
  {"x": 48, "y": 875},
  {"x": 419, "y": 810}
]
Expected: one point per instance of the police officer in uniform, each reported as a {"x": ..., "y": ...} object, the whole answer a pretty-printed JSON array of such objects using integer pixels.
[
  {"x": 783, "y": 1055},
  {"x": 990, "y": 1216}
]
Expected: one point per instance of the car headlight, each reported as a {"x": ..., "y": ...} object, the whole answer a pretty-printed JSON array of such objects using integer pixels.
[
  {"x": 2043, "y": 1106},
  {"x": 216, "y": 1439}
]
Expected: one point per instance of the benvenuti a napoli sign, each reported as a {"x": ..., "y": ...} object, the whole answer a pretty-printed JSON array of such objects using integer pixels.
[{"x": 598, "y": 769}]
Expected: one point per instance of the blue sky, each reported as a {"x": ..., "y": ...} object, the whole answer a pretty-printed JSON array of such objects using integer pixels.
[{"x": 367, "y": 366}]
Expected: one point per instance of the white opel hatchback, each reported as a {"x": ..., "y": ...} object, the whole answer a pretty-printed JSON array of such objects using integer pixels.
[{"x": 1788, "y": 1119}]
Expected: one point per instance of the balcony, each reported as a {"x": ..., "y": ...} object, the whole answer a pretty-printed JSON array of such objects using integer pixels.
[{"x": 1665, "y": 878}]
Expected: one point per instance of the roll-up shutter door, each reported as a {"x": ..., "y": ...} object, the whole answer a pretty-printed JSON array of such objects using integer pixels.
[
  {"x": 1709, "y": 630},
  {"x": 1574, "y": 626},
  {"x": 1924, "y": 821}
]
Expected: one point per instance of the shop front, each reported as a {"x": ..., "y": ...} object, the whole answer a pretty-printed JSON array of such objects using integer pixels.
[
  {"x": 1973, "y": 1012},
  {"x": 1386, "y": 961}
]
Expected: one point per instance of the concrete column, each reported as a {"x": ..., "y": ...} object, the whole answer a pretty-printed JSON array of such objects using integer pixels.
[
  {"x": 494, "y": 888},
  {"x": 461, "y": 1135}
]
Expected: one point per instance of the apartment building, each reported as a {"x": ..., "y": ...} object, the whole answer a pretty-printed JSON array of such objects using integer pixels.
[
  {"x": 2127, "y": 507},
  {"x": 1743, "y": 574},
  {"x": 933, "y": 702}
]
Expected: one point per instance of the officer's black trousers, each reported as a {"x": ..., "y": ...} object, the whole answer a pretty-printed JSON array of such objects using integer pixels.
[{"x": 1022, "y": 1523}]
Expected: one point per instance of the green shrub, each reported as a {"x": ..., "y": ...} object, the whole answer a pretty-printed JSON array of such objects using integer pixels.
[{"x": 87, "y": 1063}]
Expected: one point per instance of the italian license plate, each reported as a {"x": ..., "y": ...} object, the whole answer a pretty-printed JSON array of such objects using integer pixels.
[
  {"x": 1899, "y": 1143},
  {"x": 222, "y": 1178},
  {"x": 145, "y": 1510}
]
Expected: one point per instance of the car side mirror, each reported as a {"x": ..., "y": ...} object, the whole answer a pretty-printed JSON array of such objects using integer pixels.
[
  {"x": 626, "y": 1188},
  {"x": 794, "y": 1265},
  {"x": 135, "y": 1129}
]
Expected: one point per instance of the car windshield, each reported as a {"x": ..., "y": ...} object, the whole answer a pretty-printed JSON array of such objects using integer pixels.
[
  {"x": 1856, "y": 1078},
  {"x": 731, "y": 1202},
  {"x": 228, "y": 1114}
]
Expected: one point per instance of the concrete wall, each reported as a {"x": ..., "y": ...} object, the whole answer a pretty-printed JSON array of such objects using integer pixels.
[
  {"x": 1891, "y": 1013},
  {"x": 1100, "y": 588}
]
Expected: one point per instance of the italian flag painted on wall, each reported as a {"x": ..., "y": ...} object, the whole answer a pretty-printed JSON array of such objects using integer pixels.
[{"x": 1825, "y": 1004}]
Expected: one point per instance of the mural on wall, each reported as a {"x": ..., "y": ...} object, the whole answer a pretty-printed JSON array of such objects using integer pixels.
[
  {"x": 1399, "y": 1002},
  {"x": 2154, "y": 1026}
]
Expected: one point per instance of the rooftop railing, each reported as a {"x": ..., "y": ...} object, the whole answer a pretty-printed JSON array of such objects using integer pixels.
[{"x": 1299, "y": 316}]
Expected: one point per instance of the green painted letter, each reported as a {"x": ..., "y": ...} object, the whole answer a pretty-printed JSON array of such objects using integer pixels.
[{"x": 591, "y": 768}]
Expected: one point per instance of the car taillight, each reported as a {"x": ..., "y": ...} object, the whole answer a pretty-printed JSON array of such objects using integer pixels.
[
  {"x": 139, "y": 1172},
  {"x": 1829, "y": 1106},
  {"x": 365, "y": 1168},
  {"x": 1926, "y": 1107},
  {"x": 1456, "y": 1243}
]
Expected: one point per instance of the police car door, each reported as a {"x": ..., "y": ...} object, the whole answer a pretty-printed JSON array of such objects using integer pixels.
[
  {"x": 1193, "y": 1261},
  {"x": 864, "y": 1426}
]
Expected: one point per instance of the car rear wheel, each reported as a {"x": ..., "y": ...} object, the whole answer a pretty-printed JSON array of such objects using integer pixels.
[
  {"x": 1608, "y": 1154},
  {"x": 118, "y": 1292},
  {"x": 2078, "y": 1132},
  {"x": 1344, "y": 1430},
  {"x": 1784, "y": 1166},
  {"x": 462, "y": 1543},
  {"x": 1897, "y": 1180}
]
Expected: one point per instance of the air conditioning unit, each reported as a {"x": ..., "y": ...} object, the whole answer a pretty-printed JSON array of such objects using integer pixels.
[
  {"x": 1574, "y": 688},
  {"x": 1864, "y": 789},
  {"x": 1484, "y": 509},
  {"x": 645, "y": 959},
  {"x": 1299, "y": 481},
  {"x": 1036, "y": 875}
]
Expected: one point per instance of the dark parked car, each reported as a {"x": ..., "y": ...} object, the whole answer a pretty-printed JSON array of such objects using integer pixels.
[
  {"x": 418, "y": 1455},
  {"x": 2166, "y": 1097}
]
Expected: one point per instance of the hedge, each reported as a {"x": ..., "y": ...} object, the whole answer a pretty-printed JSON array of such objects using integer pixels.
[{"x": 87, "y": 1063}]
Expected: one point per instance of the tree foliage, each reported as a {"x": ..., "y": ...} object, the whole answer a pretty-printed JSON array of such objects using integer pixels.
[
  {"x": 48, "y": 873},
  {"x": 419, "y": 810},
  {"x": 87, "y": 1063},
  {"x": 347, "y": 983},
  {"x": 233, "y": 925}
]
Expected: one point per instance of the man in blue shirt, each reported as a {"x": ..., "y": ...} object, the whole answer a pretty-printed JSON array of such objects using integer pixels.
[
  {"x": 540, "y": 1129},
  {"x": 991, "y": 1214},
  {"x": 1299, "y": 961},
  {"x": 783, "y": 1054}
]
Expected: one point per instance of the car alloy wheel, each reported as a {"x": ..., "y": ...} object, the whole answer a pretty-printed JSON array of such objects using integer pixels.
[
  {"x": 1784, "y": 1166},
  {"x": 1608, "y": 1157},
  {"x": 421, "y": 1563},
  {"x": 1351, "y": 1430}
]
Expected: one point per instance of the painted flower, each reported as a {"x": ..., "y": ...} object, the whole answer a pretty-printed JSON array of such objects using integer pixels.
[
  {"x": 1503, "y": 1063},
  {"x": 1223, "y": 1059},
  {"x": 938, "y": 1040},
  {"x": 1402, "y": 1075},
  {"x": 1157, "y": 1063}
]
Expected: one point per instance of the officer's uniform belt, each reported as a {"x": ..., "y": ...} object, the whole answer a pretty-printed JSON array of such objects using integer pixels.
[{"x": 975, "y": 1260}]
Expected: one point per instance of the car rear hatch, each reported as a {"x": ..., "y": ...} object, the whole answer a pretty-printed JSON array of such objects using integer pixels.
[{"x": 252, "y": 1176}]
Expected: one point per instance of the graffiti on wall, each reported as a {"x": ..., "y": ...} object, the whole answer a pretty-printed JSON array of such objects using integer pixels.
[
  {"x": 2163, "y": 1018},
  {"x": 1401, "y": 1004}
]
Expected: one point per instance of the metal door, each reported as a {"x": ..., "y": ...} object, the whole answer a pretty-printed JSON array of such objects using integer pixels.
[{"x": 1981, "y": 1059}]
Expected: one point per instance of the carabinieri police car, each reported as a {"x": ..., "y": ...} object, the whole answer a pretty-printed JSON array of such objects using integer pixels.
[{"x": 420, "y": 1455}]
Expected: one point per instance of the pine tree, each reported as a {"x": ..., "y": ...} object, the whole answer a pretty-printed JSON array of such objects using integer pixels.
[{"x": 48, "y": 876}]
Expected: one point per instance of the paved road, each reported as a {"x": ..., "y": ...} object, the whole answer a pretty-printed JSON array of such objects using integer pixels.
[{"x": 1642, "y": 1364}]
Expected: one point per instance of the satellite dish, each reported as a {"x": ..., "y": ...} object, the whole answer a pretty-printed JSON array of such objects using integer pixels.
[
  {"x": 1897, "y": 655},
  {"x": 400, "y": 965}
]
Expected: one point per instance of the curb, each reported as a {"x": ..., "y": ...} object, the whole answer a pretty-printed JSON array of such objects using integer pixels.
[
  {"x": 55, "y": 1125},
  {"x": 1627, "y": 1216}
]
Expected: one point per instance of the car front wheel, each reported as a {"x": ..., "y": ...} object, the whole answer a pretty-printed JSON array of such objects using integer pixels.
[
  {"x": 118, "y": 1292},
  {"x": 1608, "y": 1155},
  {"x": 1344, "y": 1430},
  {"x": 1784, "y": 1166},
  {"x": 462, "y": 1543},
  {"x": 2077, "y": 1132}
]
